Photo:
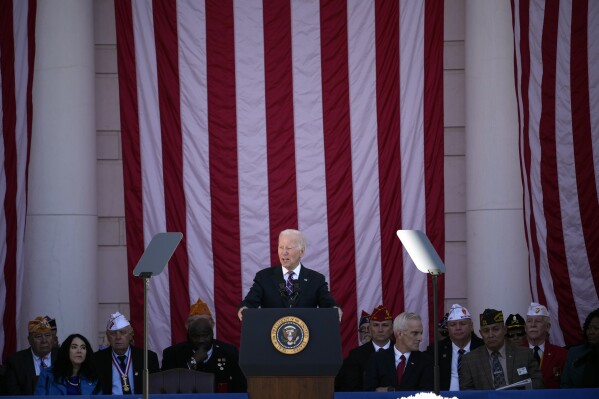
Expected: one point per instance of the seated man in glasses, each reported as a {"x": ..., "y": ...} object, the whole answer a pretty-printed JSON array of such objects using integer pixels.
[{"x": 515, "y": 330}]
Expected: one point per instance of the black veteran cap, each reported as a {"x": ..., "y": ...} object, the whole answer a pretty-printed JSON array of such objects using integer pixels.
[
  {"x": 514, "y": 321},
  {"x": 491, "y": 316}
]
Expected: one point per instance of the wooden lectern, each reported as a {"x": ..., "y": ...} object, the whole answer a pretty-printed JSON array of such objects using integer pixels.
[{"x": 290, "y": 352}]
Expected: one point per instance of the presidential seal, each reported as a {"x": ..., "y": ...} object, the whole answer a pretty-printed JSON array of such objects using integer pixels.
[{"x": 289, "y": 335}]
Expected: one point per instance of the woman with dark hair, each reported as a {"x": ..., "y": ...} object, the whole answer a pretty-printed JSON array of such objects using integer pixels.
[
  {"x": 73, "y": 372},
  {"x": 582, "y": 365}
]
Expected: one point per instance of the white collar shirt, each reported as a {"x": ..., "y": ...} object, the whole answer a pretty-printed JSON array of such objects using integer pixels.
[
  {"x": 377, "y": 348},
  {"x": 37, "y": 362},
  {"x": 398, "y": 356},
  {"x": 454, "y": 382},
  {"x": 541, "y": 349},
  {"x": 296, "y": 271}
]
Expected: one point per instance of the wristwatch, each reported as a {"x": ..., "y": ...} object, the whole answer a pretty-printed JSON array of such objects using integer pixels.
[{"x": 193, "y": 363}]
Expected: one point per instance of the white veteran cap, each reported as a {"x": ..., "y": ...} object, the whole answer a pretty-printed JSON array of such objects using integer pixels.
[
  {"x": 117, "y": 321},
  {"x": 536, "y": 309},
  {"x": 458, "y": 312}
]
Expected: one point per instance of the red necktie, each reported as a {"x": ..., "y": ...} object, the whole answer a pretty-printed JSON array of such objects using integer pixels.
[{"x": 401, "y": 366}]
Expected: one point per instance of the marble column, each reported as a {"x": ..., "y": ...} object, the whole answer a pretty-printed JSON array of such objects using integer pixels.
[
  {"x": 496, "y": 246},
  {"x": 61, "y": 232}
]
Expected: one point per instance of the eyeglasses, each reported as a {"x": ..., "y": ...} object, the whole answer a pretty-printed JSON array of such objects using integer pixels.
[
  {"x": 363, "y": 330},
  {"x": 514, "y": 335}
]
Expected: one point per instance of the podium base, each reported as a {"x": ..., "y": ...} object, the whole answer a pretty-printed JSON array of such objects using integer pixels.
[{"x": 295, "y": 387}]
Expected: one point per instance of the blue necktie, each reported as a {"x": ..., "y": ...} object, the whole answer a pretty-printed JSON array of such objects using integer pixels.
[{"x": 122, "y": 363}]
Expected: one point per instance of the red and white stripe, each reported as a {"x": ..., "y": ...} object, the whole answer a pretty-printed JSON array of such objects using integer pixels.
[
  {"x": 243, "y": 118},
  {"x": 17, "y": 49},
  {"x": 557, "y": 86}
]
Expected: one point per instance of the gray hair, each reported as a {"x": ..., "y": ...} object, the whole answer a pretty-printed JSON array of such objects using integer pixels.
[
  {"x": 301, "y": 240},
  {"x": 401, "y": 322}
]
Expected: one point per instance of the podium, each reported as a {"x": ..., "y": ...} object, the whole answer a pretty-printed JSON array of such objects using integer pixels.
[{"x": 290, "y": 352}]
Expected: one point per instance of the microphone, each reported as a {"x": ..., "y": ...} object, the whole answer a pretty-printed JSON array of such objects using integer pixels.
[
  {"x": 295, "y": 293},
  {"x": 282, "y": 290}
]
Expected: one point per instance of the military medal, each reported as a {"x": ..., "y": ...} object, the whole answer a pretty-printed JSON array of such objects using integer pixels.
[
  {"x": 124, "y": 374},
  {"x": 126, "y": 387}
]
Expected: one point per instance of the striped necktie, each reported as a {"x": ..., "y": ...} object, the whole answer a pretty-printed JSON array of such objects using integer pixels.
[{"x": 289, "y": 285}]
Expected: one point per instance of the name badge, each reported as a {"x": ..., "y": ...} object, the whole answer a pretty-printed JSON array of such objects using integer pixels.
[{"x": 522, "y": 371}]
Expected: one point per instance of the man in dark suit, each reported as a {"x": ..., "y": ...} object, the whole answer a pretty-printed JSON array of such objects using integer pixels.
[
  {"x": 460, "y": 341},
  {"x": 402, "y": 367},
  {"x": 552, "y": 358},
  {"x": 497, "y": 363},
  {"x": 121, "y": 365},
  {"x": 351, "y": 375},
  {"x": 203, "y": 353},
  {"x": 23, "y": 367},
  {"x": 291, "y": 284}
]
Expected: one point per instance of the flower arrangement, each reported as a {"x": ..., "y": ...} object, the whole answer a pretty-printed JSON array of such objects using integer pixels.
[{"x": 426, "y": 395}]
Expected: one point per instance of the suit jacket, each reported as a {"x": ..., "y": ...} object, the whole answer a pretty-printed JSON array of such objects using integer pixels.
[
  {"x": 445, "y": 358},
  {"x": 381, "y": 372},
  {"x": 223, "y": 363},
  {"x": 266, "y": 291},
  {"x": 103, "y": 360},
  {"x": 351, "y": 375},
  {"x": 475, "y": 372},
  {"x": 46, "y": 386},
  {"x": 19, "y": 377},
  {"x": 552, "y": 364}
]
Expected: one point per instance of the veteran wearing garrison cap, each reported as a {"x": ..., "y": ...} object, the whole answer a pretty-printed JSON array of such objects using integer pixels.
[
  {"x": 350, "y": 377},
  {"x": 24, "y": 367},
  {"x": 551, "y": 358},
  {"x": 364, "y": 328},
  {"x": 121, "y": 364},
  {"x": 497, "y": 363},
  {"x": 176, "y": 357},
  {"x": 199, "y": 310},
  {"x": 204, "y": 353},
  {"x": 515, "y": 329},
  {"x": 460, "y": 341}
]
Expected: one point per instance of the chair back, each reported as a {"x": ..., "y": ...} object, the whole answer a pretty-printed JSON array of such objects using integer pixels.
[{"x": 181, "y": 381}]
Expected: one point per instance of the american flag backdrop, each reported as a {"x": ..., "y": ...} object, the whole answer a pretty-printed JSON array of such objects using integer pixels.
[
  {"x": 243, "y": 118},
  {"x": 240, "y": 119},
  {"x": 17, "y": 49},
  {"x": 557, "y": 87}
]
